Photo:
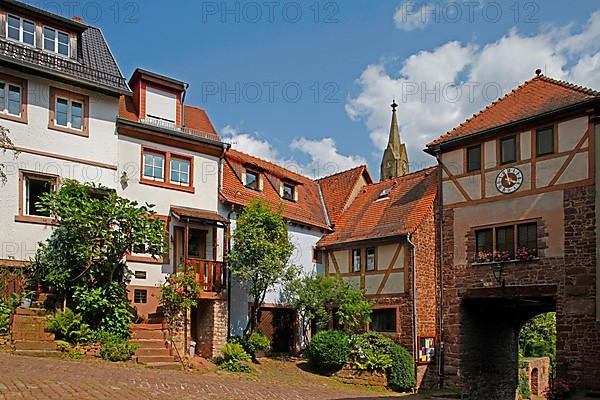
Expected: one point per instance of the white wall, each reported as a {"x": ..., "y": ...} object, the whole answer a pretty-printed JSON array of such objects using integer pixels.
[
  {"x": 205, "y": 197},
  {"x": 304, "y": 240},
  {"x": 19, "y": 239}
]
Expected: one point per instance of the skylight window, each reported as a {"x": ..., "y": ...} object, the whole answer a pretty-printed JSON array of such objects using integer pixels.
[{"x": 385, "y": 193}]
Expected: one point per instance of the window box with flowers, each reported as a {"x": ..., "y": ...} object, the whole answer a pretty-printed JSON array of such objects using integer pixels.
[{"x": 506, "y": 244}]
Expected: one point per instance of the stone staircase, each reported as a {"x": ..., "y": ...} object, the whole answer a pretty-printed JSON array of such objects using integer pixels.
[
  {"x": 30, "y": 335},
  {"x": 153, "y": 347}
]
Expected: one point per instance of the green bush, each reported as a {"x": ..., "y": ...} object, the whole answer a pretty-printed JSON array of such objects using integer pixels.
[
  {"x": 69, "y": 326},
  {"x": 329, "y": 349},
  {"x": 524, "y": 389},
  {"x": 4, "y": 318},
  {"x": 116, "y": 348},
  {"x": 234, "y": 352},
  {"x": 401, "y": 374},
  {"x": 257, "y": 342}
]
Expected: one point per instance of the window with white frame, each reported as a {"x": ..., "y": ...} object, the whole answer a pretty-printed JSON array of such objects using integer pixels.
[
  {"x": 20, "y": 29},
  {"x": 180, "y": 171},
  {"x": 68, "y": 113},
  {"x": 154, "y": 166},
  {"x": 35, "y": 187},
  {"x": 11, "y": 101},
  {"x": 56, "y": 41}
]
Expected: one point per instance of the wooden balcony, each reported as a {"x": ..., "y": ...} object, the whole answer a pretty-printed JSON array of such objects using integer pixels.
[{"x": 210, "y": 274}]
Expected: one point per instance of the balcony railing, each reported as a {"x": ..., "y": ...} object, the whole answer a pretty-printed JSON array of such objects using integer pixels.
[
  {"x": 210, "y": 274},
  {"x": 56, "y": 63},
  {"x": 159, "y": 123}
]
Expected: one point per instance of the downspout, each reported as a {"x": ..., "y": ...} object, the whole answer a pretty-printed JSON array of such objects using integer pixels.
[
  {"x": 185, "y": 88},
  {"x": 596, "y": 121},
  {"x": 441, "y": 278},
  {"x": 414, "y": 302},
  {"x": 231, "y": 211}
]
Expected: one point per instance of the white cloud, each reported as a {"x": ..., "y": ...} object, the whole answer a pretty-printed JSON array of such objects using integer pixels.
[
  {"x": 250, "y": 143},
  {"x": 440, "y": 88},
  {"x": 410, "y": 16},
  {"x": 323, "y": 153}
]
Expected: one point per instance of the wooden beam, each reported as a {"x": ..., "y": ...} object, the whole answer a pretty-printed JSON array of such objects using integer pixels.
[{"x": 389, "y": 270}]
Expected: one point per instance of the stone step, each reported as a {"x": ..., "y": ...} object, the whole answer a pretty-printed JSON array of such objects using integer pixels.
[
  {"x": 164, "y": 365},
  {"x": 147, "y": 327},
  {"x": 152, "y": 352},
  {"x": 154, "y": 359},
  {"x": 148, "y": 334},
  {"x": 34, "y": 345},
  {"x": 150, "y": 343},
  {"x": 39, "y": 353}
]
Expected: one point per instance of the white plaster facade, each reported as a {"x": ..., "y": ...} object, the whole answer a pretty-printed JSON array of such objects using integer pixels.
[{"x": 52, "y": 152}]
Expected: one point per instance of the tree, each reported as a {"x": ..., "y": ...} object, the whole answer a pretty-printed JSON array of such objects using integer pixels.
[
  {"x": 538, "y": 337},
  {"x": 260, "y": 255},
  {"x": 84, "y": 259},
  {"x": 315, "y": 296},
  {"x": 5, "y": 144}
]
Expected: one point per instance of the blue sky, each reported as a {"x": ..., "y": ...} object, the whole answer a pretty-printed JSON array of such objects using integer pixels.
[{"x": 349, "y": 60}]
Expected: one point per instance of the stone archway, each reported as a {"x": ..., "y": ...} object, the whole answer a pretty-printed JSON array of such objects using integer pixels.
[{"x": 491, "y": 319}]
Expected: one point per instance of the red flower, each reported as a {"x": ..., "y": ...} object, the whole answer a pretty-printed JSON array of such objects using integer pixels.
[{"x": 180, "y": 291}]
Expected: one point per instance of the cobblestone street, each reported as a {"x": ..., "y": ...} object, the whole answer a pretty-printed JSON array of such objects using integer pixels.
[{"x": 45, "y": 378}]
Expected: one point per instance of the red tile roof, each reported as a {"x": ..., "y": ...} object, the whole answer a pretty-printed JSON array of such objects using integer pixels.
[
  {"x": 338, "y": 188},
  {"x": 196, "y": 120},
  {"x": 307, "y": 210},
  {"x": 411, "y": 198},
  {"x": 534, "y": 97}
]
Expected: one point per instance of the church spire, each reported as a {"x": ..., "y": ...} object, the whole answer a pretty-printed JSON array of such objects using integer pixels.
[{"x": 395, "y": 158}]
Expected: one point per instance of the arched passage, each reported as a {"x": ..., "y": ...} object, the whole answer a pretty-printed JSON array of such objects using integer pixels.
[
  {"x": 491, "y": 320},
  {"x": 534, "y": 381}
]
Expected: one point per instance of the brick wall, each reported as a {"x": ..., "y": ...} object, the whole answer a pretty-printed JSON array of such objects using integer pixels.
[
  {"x": 481, "y": 344},
  {"x": 210, "y": 327}
]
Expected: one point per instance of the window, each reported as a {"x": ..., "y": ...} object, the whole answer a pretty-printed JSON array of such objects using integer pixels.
[
  {"x": 544, "y": 141},
  {"x": 161, "y": 106},
  {"x": 180, "y": 171},
  {"x": 383, "y": 320},
  {"x": 140, "y": 274},
  {"x": 10, "y": 99},
  {"x": 68, "y": 112},
  {"x": 252, "y": 180},
  {"x": 508, "y": 149},
  {"x": 289, "y": 192},
  {"x": 166, "y": 169},
  {"x": 474, "y": 158},
  {"x": 154, "y": 166},
  {"x": 56, "y": 41},
  {"x": 507, "y": 242},
  {"x": 484, "y": 240},
  {"x": 20, "y": 29},
  {"x": 384, "y": 193},
  {"x": 140, "y": 296},
  {"x": 35, "y": 188},
  {"x": 197, "y": 243},
  {"x": 356, "y": 260},
  {"x": 527, "y": 237},
  {"x": 371, "y": 263}
]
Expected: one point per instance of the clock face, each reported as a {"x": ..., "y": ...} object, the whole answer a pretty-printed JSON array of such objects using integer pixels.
[{"x": 509, "y": 180}]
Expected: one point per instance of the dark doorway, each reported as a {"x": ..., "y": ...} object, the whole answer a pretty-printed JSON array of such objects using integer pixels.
[
  {"x": 490, "y": 322},
  {"x": 279, "y": 325}
]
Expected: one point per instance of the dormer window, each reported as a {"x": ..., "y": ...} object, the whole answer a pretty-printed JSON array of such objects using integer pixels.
[
  {"x": 56, "y": 41},
  {"x": 289, "y": 192},
  {"x": 20, "y": 29},
  {"x": 161, "y": 105},
  {"x": 252, "y": 180}
]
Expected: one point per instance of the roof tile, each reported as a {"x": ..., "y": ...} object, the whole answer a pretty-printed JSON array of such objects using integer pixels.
[
  {"x": 370, "y": 216},
  {"x": 534, "y": 97}
]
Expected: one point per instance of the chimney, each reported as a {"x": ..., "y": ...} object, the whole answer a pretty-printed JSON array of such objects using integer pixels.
[{"x": 78, "y": 19}]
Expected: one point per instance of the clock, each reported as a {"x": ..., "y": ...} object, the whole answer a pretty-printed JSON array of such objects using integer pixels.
[{"x": 509, "y": 180}]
